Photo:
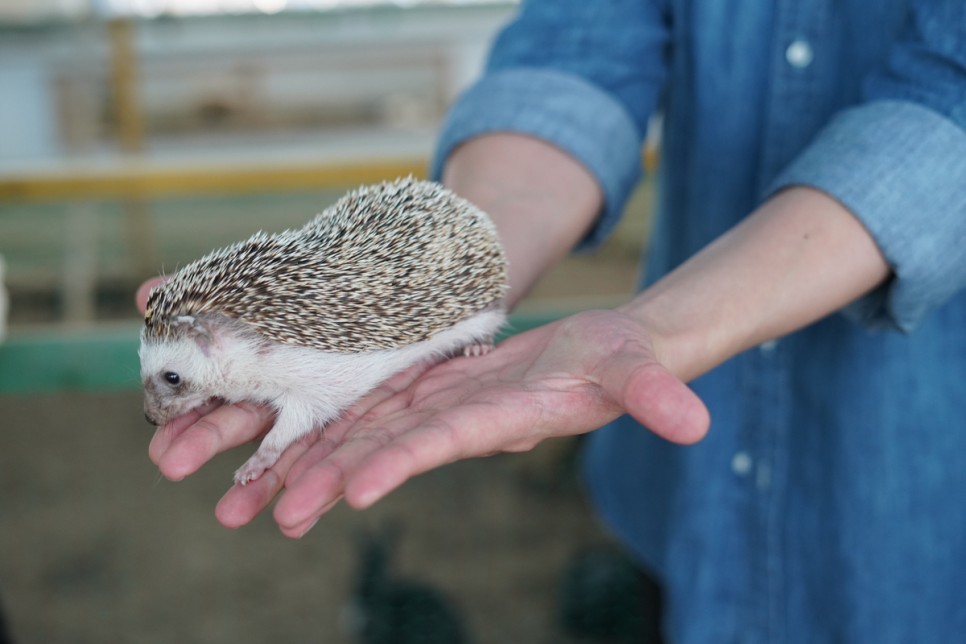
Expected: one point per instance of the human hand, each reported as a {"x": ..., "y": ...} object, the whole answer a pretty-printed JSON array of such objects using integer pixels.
[{"x": 565, "y": 378}]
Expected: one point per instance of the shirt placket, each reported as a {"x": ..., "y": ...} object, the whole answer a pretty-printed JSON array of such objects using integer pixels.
[
  {"x": 763, "y": 464},
  {"x": 793, "y": 104},
  {"x": 796, "y": 97}
]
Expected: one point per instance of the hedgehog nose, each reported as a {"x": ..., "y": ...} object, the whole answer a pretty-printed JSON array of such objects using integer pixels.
[{"x": 150, "y": 419}]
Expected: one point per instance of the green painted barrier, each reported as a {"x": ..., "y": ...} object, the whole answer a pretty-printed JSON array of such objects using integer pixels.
[
  {"x": 91, "y": 360},
  {"x": 104, "y": 359}
]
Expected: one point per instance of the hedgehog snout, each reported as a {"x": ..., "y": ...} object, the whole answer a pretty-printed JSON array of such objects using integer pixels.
[
  {"x": 160, "y": 406},
  {"x": 159, "y": 410},
  {"x": 154, "y": 410}
]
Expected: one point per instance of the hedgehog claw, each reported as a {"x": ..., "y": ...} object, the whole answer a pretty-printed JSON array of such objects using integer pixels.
[
  {"x": 245, "y": 475},
  {"x": 252, "y": 470},
  {"x": 478, "y": 349}
]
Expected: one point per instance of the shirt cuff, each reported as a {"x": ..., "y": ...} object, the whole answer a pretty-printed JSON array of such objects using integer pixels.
[
  {"x": 901, "y": 169},
  {"x": 564, "y": 110}
]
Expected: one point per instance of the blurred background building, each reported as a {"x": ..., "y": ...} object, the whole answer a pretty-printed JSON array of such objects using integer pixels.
[
  {"x": 70, "y": 72},
  {"x": 112, "y": 108},
  {"x": 117, "y": 116}
]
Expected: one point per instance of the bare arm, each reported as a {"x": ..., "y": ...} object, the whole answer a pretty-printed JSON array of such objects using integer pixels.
[
  {"x": 541, "y": 199},
  {"x": 799, "y": 257}
]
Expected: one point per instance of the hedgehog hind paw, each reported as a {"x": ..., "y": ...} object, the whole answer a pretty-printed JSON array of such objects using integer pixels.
[{"x": 477, "y": 349}]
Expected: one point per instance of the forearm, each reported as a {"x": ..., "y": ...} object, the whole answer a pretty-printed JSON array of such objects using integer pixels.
[
  {"x": 799, "y": 257},
  {"x": 541, "y": 199}
]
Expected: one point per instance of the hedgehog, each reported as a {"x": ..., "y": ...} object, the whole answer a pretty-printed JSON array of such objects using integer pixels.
[{"x": 309, "y": 320}]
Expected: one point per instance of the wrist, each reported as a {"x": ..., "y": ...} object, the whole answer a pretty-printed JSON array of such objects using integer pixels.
[
  {"x": 684, "y": 349},
  {"x": 799, "y": 257}
]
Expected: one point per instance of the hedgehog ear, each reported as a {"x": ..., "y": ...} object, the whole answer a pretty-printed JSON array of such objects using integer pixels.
[
  {"x": 198, "y": 331},
  {"x": 202, "y": 338}
]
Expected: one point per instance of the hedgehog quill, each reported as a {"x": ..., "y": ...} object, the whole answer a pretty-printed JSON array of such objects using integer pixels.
[{"x": 310, "y": 320}]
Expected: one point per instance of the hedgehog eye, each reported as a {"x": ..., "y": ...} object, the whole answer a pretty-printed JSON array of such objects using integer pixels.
[{"x": 172, "y": 378}]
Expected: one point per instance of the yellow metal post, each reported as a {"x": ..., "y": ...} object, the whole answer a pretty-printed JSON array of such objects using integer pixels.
[
  {"x": 124, "y": 83},
  {"x": 139, "y": 228}
]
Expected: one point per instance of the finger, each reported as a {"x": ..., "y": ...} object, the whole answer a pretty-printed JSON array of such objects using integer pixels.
[
  {"x": 165, "y": 435},
  {"x": 318, "y": 489},
  {"x": 316, "y": 453},
  {"x": 242, "y": 503},
  {"x": 224, "y": 428},
  {"x": 307, "y": 497},
  {"x": 321, "y": 482},
  {"x": 656, "y": 398},
  {"x": 463, "y": 432},
  {"x": 141, "y": 297},
  {"x": 300, "y": 530}
]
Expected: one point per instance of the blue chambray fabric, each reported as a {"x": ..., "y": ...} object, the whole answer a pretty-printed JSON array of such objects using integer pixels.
[{"x": 828, "y": 503}]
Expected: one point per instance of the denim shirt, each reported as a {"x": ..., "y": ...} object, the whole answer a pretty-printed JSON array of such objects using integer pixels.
[{"x": 828, "y": 502}]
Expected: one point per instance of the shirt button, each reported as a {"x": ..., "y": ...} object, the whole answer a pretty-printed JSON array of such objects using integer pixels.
[
  {"x": 741, "y": 463},
  {"x": 768, "y": 347},
  {"x": 799, "y": 54}
]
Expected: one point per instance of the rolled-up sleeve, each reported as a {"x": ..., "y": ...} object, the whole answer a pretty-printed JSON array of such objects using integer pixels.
[
  {"x": 897, "y": 161},
  {"x": 582, "y": 76}
]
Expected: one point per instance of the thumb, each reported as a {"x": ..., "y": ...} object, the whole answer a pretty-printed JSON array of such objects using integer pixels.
[
  {"x": 655, "y": 398},
  {"x": 141, "y": 298}
]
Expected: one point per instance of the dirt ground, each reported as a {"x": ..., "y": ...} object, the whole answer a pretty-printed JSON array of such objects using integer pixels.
[{"x": 97, "y": 548}]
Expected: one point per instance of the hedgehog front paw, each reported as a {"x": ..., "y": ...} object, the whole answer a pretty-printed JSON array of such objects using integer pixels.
[
  {"x": 291, "y": 423},
  {"x": 255, "y": 466}
]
